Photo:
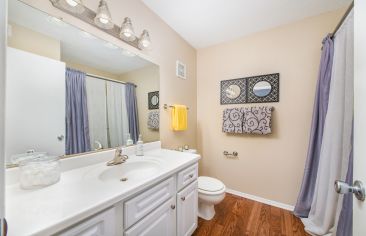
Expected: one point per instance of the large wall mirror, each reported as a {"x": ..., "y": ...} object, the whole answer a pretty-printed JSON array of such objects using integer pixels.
[{"x": 69, "y": 92}]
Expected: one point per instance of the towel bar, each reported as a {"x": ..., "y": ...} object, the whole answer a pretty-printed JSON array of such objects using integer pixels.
[{"x": 166, "y": 106}]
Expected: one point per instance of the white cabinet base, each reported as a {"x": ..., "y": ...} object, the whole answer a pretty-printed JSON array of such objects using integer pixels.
[
  {"x": 161, "y": 222},
  {"x": 187, "y": 208},
  {"x": 102, "y": 224}
]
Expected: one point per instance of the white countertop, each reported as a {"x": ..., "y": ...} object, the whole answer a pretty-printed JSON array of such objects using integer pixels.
[{"x": 48, "y": 210}]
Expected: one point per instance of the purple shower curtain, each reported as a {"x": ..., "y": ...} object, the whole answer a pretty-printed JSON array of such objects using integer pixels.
[
  {"x": 345, "y": 220},
  {"x": 133, "y": 118},
  {"x": 305, "y": 198},
  {"x": 77, "y": 123}
]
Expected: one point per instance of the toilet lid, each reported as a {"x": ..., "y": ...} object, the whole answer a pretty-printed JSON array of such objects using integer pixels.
[{"x": 210, "y": 184}]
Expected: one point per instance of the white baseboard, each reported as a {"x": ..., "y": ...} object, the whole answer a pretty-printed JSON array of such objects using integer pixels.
[{"x": 262, "y": 200}]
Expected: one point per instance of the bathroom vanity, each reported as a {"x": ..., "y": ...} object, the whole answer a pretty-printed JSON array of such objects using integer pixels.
[{"x": 155, "y": 194}]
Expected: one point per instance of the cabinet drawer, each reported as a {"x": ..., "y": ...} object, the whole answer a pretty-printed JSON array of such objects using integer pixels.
[
  {"x": 161, "y": 222},
  {"x": 187, "y": 176},
  {"x": 144, "y": 203},
  {"x": 102, "y": 224}
]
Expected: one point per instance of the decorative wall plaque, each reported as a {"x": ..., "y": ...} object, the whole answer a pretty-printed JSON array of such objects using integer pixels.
[
  {"x": 153, "y": 100},
  {"x": 255, "y": 89}
]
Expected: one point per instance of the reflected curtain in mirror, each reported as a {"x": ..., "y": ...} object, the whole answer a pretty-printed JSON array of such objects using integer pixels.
[
  {"x": 97, "y": 112},
  {"x": 118, "y": 127},
  {"x": 133, "y": 118},
  {"x": 77, "y": 125}
]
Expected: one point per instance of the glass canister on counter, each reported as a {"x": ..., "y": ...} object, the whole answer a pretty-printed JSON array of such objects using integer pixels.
[{"x": 39, "y": 170}]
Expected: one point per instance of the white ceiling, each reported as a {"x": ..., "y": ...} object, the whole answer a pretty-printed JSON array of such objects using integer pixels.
[
  {"x": 203, "y": 23},
  {"x": 75, "y": 47}
]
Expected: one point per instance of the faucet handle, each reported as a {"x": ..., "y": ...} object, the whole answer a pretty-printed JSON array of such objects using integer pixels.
[
  {"x": 119, "y": 151},
  {"x": 124, "y": 157}
]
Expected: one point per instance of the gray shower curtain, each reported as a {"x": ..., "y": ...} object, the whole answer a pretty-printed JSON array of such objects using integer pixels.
[
  {"x": 132, "y": 112},
  {"x": 330, "y": 213},
  {"x": 306, "y": 194},
  {"x": 345, "y": 221},
  {"x": 77, "y": 124}
]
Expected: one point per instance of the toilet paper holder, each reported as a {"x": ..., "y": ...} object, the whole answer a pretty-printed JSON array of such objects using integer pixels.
[{"x": 233, "y": 154}]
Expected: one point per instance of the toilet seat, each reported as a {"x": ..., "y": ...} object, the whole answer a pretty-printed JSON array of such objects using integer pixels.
[{"x": 210, "y": 186}]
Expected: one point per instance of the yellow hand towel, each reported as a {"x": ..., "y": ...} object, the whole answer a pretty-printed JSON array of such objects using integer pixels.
[{"x": 179, "y": 118}]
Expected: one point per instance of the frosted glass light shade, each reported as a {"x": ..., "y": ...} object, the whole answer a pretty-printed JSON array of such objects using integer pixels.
[
  {"x": 103, "y": 18},
  {"x": 144, "y": 41},
  {"x": 75, "y": 6},
  {"x": 127, "y": 33}
]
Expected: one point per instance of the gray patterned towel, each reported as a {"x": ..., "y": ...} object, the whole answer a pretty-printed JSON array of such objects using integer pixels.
[
  {"x": 257, "y": 120},
  {"x": 232, "y": 121},
  {"x": 153, "y": 119}
]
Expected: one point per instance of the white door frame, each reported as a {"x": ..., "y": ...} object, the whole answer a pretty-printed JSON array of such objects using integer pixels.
[
  {"x": 359, "y": 173},
  {"x": 3, "y": 37}
]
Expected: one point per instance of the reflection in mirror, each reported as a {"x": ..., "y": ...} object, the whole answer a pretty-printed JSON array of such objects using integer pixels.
[
  {"x": 233, "y": 91},
  {"x": 262, "y": 88},
  {"x": 69, "y": 92},
  {"x": 155, "y": 100}
]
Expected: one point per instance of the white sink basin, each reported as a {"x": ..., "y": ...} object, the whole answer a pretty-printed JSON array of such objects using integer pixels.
[{"x": 131, "y": 170}]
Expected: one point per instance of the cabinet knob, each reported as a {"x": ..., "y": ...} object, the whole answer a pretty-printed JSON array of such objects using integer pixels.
[
  {"x": 183, "y": 198},
  {"x": 191, "y": 176},
  {"x": 172, "y": 206}
]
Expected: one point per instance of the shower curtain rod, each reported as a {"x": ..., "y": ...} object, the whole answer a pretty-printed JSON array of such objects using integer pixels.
[
  {"x": 343, "y": 18},
  {"x": 108, "y": 79}
]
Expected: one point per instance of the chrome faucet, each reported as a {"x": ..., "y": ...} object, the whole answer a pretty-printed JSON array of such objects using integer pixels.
[
  {"x": 98, "y": 145},
  {"x": 119, "y": 158}
]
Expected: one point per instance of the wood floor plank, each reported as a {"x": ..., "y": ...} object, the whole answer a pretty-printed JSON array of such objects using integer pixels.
[
  {"x": 264, "y": 221},
  {"x": 286, "y": 223},
  {"x": 275, "y": 223},
  {"x": 253, "y": 221},
  {"x": 242, "y": 210},
  {"x": 237, "y": 216}
]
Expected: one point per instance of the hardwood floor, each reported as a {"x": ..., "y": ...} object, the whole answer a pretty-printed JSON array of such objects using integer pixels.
[{"x": 238, "y": 216}]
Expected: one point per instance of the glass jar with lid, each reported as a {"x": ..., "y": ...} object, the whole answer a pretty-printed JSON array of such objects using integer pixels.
[{"x": 39, "y": 171}]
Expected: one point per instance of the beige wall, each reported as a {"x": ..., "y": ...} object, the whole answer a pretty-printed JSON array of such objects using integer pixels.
[
  {"x": 25, "y": 39},
  {"x": 29, "y": 40},
  {"x": 268, "y": 166},
  {"x": 167, "y": 47},
  {"x": 91, "y": 70},
  {"x": 147, "y": 80}
]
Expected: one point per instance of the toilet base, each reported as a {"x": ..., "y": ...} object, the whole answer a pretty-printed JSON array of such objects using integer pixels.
[{"x": 206, "y": 211}]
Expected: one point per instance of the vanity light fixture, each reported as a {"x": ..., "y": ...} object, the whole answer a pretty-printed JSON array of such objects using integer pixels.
[
  {"x": 75, "y": 6},
  {"x": 103, "y": 18},
  {"x": 144, "y": 41},
  {"x": 127, "y": 33}
]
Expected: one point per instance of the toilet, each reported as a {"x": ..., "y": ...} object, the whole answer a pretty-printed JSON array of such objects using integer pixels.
[{"x": 211, "y": 191}]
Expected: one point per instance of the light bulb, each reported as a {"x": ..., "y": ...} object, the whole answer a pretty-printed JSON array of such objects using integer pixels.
[
  {"x": 72, "y": 3},
  {"x": 127, "y": 33},
  {"x": 75, "y": 6},
  {"x": 103, "y": 20}
]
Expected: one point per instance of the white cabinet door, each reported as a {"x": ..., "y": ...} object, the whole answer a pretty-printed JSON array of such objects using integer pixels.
[
  {"x": 144, "y": 203},
  {"x": 161, "y": 222},
  {"x": 187, "y": 204},
  {"x": 102, "y": 224}
]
